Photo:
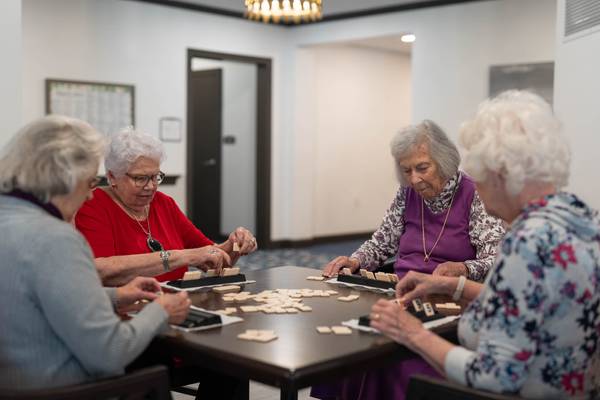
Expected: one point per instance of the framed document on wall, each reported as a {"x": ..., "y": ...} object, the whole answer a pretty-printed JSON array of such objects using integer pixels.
[{"x": 108, "y": 107}]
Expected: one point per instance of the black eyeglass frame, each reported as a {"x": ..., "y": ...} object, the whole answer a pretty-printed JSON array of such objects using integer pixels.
[{"x": 142, "y": 180}]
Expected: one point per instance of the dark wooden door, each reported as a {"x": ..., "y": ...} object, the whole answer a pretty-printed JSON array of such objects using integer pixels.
[{"x": 204, "y": 151}]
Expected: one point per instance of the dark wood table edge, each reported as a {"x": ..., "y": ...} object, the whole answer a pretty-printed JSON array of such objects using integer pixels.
[{"x": 247, "y": 368}]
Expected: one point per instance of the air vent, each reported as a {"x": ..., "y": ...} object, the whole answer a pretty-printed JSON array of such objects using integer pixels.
[{"x": 581, "y": 15}]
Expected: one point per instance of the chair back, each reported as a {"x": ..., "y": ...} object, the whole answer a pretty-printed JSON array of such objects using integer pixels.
[{"x": 148, "y": 384}]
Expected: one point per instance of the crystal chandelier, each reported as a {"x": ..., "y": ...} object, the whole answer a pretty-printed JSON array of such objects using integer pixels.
[{"x": 286, "y": 11}]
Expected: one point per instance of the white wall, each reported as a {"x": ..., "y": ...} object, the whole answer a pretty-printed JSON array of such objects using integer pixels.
[
  {"x": 351, "y": 102},
  {"x": 10, "y": 69},
  {"x": 145, "y": 44},
  {"x": 576, "y": 89},
  {"x": 450, "y": 61},
  {"x": 238, "y": 162}
]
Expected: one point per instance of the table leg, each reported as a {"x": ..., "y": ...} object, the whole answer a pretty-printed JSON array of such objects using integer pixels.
[{"x": 289, "y": 392}]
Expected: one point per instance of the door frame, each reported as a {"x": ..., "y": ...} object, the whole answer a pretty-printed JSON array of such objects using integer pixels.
[{"x": 263, "y": 137}]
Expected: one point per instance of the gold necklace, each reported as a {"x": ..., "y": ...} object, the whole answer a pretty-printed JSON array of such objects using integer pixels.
[
  {"x": 427, "y": 255},
  {"x": 131, "y": 213}
]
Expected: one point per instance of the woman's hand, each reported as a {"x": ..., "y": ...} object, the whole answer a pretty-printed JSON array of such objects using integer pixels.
[
  {"x": 209, "y": 257},
  {"x": 245, "y": 240},
  {"x": 338, "y": 263},
  {"x": 416, "y": 285},
  {"x": 139, "y": 288},
  {"x": 450, "y": 268},
  {"x": 390, "y": 318},
  {"x": 176, "y": 305}
]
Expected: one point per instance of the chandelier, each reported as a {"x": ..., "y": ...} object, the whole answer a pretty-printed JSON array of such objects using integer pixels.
[{"x": 286, "y": 11}]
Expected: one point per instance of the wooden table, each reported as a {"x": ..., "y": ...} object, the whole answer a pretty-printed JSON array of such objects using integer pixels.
[{"x": 300, "y": 357}]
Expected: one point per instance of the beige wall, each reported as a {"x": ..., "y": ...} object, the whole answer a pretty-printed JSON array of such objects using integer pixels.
[
  {"x": 145, "y": 44},
  {"x": 10, "y": 69},
  {"x": 454, "y": 49},
  {"x": 359, "y": 100},
  {"x": 576, "y": 98}
]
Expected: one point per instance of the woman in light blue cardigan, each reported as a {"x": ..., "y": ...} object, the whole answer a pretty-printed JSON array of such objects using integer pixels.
[{"x": 58, "y": 325}]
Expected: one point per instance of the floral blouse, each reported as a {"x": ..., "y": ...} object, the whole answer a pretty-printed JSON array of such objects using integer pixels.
[
  {"x": 534, "y": 329},
  {"x": 485, "y": 232}
]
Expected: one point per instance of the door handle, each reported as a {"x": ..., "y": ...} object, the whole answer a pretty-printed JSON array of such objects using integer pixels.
[{"x": 210, "y": 162}]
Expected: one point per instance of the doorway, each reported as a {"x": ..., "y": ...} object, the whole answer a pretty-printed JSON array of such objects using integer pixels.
[{"x": 228, "y": 136}]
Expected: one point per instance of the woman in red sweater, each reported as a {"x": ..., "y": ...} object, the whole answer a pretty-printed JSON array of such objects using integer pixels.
[{"x": 133, "y": 229}]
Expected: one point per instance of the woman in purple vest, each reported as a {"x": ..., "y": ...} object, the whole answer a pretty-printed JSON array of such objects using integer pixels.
[{"x": 436, "y": 224}]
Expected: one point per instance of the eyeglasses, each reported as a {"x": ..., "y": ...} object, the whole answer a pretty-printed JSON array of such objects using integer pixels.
[
  {"x": 154, "y": 244},
  {"x": 94, "y": 182},
  {"x": 142, "y": 180}
]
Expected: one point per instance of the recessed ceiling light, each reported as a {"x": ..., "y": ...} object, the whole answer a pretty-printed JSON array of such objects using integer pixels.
[{"x": 409, "y": 38}]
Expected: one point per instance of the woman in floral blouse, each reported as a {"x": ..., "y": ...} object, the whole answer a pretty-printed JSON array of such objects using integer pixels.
[
  {"x": 533, "y": 327},
  {"x": 437, "y": 224}
]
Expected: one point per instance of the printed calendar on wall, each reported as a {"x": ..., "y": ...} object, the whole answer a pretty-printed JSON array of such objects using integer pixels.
[{"x": 108, "y": 107}]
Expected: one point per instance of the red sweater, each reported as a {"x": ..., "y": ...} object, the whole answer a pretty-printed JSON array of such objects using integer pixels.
[{"x": 111, "y": 232}]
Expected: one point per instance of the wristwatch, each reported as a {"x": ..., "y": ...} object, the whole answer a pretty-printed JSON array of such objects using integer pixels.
[{"x": 164, "y": 256}]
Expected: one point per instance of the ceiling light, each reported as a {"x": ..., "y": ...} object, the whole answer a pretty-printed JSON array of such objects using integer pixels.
[
  {"x": 286, "y": 11},
  {"x": 409, "y": 38}
]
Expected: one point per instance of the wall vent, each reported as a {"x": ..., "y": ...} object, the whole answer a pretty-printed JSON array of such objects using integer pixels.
[{"x": 581, "y": 15}]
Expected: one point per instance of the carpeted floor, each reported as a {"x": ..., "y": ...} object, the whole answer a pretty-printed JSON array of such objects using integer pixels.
[{"x": 316, "y": 256}]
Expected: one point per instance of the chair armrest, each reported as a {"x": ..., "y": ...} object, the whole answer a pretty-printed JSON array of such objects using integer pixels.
[
  {"x": 147, "y": 383},
  {"x": 421, "y": 387}
]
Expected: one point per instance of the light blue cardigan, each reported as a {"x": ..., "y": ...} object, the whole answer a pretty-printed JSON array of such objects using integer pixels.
[{"x": 57, "y": 322}]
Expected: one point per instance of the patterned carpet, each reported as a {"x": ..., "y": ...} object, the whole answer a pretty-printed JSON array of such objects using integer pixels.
[{"x": 316, "y": 256}]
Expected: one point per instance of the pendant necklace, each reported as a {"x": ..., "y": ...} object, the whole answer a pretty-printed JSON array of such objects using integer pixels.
[{"x": 427, "y": 254}]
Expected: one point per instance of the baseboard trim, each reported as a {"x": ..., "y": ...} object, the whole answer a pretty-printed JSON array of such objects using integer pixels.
[{"x": 286, "y": 244}]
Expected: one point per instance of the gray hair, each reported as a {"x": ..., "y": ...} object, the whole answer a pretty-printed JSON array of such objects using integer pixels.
[
  {"x": 443, "y": 152},
  {"x": 127, "y": 146},
  {"x": 49, "y": 156},
  {"x": 517, "y": 135}
]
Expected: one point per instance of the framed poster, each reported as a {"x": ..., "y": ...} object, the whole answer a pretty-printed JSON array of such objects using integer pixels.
[
  {"x": 169, "y": 129},
  {"x": 108, "y": 107},
  {"x": 536, "y": 77}
]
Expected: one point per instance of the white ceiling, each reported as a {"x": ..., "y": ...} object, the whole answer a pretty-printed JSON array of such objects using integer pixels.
[{"x": 329, "y": 6}]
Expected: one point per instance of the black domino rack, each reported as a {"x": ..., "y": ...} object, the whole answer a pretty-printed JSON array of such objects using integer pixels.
[
  {"x": 208, "y": 281},
  {"x": 366, "y": 321},
  {"x": 360, "y": 280}
]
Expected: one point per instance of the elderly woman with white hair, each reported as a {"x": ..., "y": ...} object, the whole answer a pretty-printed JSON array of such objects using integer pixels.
[
  {"x": 136, "y": 230},
  {"x": 436, "y": 224},
  {"x": 59, "y": 326},
  {"x": 533, "y": 327}
]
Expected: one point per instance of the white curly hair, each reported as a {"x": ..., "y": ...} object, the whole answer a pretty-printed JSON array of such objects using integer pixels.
[
  {"x": 127, "y": 146},
  {"x": 517, "y": 135}
]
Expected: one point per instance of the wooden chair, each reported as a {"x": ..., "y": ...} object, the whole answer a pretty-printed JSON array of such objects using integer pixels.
[
  {"x": 421, "y": 387},
  {"x": 150, "y": 383}
]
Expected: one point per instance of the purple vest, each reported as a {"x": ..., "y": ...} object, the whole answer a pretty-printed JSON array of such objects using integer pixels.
[{"x": 454, "y": 245}]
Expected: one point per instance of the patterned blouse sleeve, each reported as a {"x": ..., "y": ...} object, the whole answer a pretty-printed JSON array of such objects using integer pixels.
[
  {"x": 485, "y": 232},
  {"x": 384, "y": 242},
  {"x": 508, "y": 317}
]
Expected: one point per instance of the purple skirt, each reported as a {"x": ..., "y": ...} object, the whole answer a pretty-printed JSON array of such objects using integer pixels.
[{"x": 385, "y": 383}]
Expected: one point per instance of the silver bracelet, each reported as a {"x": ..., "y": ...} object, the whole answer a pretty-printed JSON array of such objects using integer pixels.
[
  {"x": 164, "y": 256},
  {"x": 459, "y": 288}
]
